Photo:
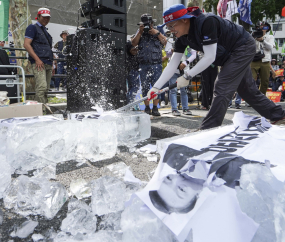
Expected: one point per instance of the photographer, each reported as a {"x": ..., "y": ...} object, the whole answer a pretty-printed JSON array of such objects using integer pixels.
[
  {"x": 261, "y": 62},
  {"x": 150, "y": 43}
]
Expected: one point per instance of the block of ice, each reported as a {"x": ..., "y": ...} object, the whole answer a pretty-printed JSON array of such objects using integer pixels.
[
  {"x": 140, "y": 224},
  {"x": 5, "y": 175},
  {"x": 132, "y": 126},
  {"x": 117, "y": 170},
  {"x": 110, "y": 222},
  {"x": 80, "y": 188},
  {"x": 25, "y": 229},
  {"x": 37, "y": 237},
  {"x": 35, "y": 196},
  {"x": 35, "y": 145},
  {"x": 108, "y": 195},
  {"x": 48, "y": 172},
  {"x": 279, "y": 214},
  {"x": 258, "y": 190},
  {"x": 79, "y": 219},
  {"x": 101, "y": 236}
]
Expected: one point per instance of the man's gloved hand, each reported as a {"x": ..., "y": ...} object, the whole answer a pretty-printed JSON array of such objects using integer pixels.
[
  {"x": 182, "y": 82},
  {"x": 151, "y": 93}
]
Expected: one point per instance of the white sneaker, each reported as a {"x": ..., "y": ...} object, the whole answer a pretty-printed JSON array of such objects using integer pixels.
[{"x": 162, "y": 104}]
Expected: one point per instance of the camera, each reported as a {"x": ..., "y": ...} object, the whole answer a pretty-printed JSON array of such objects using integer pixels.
[
  {"x": 146, "y": 28},
  {"x": 257, "y": 30}
]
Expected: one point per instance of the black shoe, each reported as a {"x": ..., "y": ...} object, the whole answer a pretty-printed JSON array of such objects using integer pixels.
[
  {"x": 238, "y": 106},
  {"x": 155, "y": 111},
  {"x": 230, "y": 106},
  {"x": 147, "y": 110}
]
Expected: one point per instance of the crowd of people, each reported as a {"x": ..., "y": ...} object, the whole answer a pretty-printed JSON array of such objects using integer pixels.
[
  {"x": 227, "y": 57},
  {"x": 150, "y": 43}
]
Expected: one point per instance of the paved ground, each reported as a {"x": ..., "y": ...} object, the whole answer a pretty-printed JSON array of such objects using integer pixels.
[{"x": 162, "y": 127}]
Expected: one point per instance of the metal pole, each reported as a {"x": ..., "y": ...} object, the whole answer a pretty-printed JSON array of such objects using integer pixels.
[{"x": 23, "y": 76}]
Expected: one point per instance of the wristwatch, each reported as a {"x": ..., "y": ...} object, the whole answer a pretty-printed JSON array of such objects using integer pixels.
[
  {"x": 156, "y": 35},
  {"x": 187, "y": 77}
]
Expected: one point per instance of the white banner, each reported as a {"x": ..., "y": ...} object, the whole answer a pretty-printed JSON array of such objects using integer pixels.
[{"x": 193, "y": 186}]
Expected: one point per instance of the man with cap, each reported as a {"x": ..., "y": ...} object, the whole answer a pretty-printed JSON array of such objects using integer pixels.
[
  {"x": 223, "y": 44},
  {"x": 150, "y": 43},
  {"x": 263, "y": 44},
  {"x": 61, "y": 64},
  {"x": 38, "y": 43}
]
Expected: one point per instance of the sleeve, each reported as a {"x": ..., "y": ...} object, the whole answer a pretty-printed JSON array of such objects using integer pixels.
[
  {"x": 191, "y": 58},
  {"x": 31, "y": 32},
  {"x": 206, "y": 61},
  {"x": 179, "y": 47},
  {"x": 169, "y": 70},
  {"x": 210, "y": 31},
  {"x": 269, "y": 42},
  {"x": 56, "y": 45}
]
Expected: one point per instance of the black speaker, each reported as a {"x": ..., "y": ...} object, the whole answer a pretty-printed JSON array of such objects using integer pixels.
[
  {"x": 109, "y": 6},
  {"x": 114, "y": 22},
  {"x": 86, "y": 8},
  {"x": 96, "y": 70}
]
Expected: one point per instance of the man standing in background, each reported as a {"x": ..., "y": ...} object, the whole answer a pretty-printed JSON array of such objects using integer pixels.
[
  {"x": 264, "y": 45},
  {"x": 61, "y": 64},
  {"x": 38, "y": 43}
]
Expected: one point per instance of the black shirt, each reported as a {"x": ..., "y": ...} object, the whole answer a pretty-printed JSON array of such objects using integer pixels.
[{"x": 210, "y": 32}]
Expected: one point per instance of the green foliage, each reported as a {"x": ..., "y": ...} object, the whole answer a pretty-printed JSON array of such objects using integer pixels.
[{"x": 259, "y": 8}]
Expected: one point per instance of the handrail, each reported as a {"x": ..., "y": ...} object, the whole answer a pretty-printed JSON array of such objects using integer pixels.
[
  {"x": 22, "y": 49},
  {"x": 23, "y": 76}
]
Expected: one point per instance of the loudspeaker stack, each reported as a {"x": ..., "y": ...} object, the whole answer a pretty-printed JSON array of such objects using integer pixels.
[{"x": 96, "y": 58}]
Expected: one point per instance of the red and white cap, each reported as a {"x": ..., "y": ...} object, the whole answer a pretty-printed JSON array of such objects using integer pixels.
[{"x": 45, "y": 12}]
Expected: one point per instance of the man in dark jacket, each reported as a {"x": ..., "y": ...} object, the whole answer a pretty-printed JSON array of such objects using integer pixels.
[
  {"x": 150, "y": 42},
  {"x": 38, "y": 43},
  {"x": 223, "y": 44},
  {"x": 61, "y": 64}
]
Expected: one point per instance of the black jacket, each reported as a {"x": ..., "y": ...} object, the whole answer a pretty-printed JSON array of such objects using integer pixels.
[{"x": 4, "y": 60}]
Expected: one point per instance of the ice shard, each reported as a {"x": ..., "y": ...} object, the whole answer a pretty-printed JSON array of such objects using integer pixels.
[
  {"x": 80, "y": 188},
  {"x": 35, "y": 196},
  {"x": 79, "y": 219},
  {"x": 140, "y": 224},
  {"x": 108, "y": 195},
  {"x": 117, "y": 170},
  {"x": 5, "y": 174},
  {"x": 25, "y": 229},
  {"x": 257, "y": 194}
]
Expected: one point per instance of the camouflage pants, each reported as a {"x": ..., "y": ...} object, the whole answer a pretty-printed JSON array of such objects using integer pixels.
[{"x": 42, "y": 79}]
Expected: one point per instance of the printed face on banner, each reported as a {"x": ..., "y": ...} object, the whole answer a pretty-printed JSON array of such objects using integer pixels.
[{"x": 197, "y": 171}]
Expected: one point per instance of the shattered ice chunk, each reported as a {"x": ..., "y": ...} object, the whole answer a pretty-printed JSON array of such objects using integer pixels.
[
  {"x": 5, "y": 175},
  {"x": 31, "y": 196},
  {"x": 25, "y": 229},
  {"x": 37, "y": 237},
  {"x": 279, "y": 214},
  {"x": 80, "y": 188},
  {"x": 79, "y": 220},
  {"x": 117, "y": 170},
  {"x": 110, "y": 222},
  {"x": 152, "y": 158},
  {"x": 108, "y": 195},
  {"x": 258, "y": 190},
  {"x": 140, "y": 224},
  {"x": 48, "y": 172}
]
